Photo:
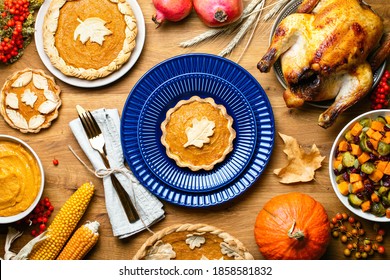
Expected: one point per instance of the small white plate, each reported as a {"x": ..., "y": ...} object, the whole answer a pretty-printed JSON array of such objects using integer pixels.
[{"x": 140, "y": 40}]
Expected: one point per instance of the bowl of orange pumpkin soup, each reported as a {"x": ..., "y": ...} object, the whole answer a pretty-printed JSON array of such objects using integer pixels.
[{"x": 21, "y": 179}]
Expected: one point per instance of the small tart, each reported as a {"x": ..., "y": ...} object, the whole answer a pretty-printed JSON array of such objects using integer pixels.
[
  {"x": 197, "y": 133},
  {"x": 192, "y": 242},
  {"x": 29, "y": 100},
  {"x": 89, "y": 39}
]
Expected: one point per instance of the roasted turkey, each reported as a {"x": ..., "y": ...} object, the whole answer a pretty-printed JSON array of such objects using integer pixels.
[{"x": 325, "y": 48}]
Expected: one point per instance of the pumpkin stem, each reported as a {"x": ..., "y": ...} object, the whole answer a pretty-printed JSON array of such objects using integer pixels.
[{"x": 297, "y": 235}]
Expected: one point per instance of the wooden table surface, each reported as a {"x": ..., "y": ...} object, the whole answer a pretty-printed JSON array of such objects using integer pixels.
[{"x": 236, "y": 217}]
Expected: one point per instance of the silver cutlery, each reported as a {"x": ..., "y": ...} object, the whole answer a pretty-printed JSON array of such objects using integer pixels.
[{"x": 96, "y": 139}]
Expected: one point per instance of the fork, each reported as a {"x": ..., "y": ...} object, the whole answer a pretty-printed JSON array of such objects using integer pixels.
[{"x": 96, "y": 139}]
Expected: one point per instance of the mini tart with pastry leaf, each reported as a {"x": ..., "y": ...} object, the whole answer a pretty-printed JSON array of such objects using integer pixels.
[
  {"x": 198, "y": 133},
  {"x": 29, "y": 100},
  {"x": 192, "y": 242},
  {"x": 89, "y": 39}
]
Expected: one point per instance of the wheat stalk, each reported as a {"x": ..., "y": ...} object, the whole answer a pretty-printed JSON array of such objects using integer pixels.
[
  {"x": 251, "y": 15},
  {"x": 243, "y": 29},
  {"x": 277, "y": 6},
  {"x": 216, "y": 31}
]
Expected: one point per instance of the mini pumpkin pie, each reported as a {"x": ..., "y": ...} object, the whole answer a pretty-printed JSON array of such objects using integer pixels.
[
  {"x": 89, "y": 39},
  {"x": 29, "y": 100},
  {"x": 192, "y": 242},
  {"x": 198, "y": 133}
]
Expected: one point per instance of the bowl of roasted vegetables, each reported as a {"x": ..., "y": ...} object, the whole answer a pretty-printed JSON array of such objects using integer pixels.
[{"x": 359, "y": 166}]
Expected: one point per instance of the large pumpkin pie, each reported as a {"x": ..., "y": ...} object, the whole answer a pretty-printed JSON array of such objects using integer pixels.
[
  {"x": 192, "y": 242},
  {"x": 197, "y": 133},
  {"x": 29, "y": 100},
  {"x": 89, "y": 39}
]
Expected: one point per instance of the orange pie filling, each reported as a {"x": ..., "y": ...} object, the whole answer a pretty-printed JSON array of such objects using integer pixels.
[
  {"x": 72, "y": 50},
  {"x": 89, "y": 39},
  {"x": 198, "y": 133}
]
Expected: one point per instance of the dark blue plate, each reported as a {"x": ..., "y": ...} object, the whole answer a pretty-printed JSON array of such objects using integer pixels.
[
  {"x": 167, "y": 96},
  {"x": 210, "y": 65}
]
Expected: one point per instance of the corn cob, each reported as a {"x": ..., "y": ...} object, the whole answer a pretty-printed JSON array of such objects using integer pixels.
[
  {"x": 81, "y": 242},
  {"x": 63, "y": 224}
]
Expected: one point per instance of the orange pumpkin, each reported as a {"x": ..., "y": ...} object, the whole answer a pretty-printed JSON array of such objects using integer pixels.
[{"x": 292, "y": 226}]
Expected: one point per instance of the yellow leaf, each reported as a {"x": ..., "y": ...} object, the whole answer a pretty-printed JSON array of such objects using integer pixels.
[{"x": 301, "y": 165}]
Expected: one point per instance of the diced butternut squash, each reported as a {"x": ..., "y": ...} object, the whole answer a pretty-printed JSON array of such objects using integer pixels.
[
  {"x": 387, "y": 169},
  {"x": 366, "y": 206},
  {"x": 374, "y": 143},
  {"x": 356, "y": 129},
  {"x": 356, "y": 150},
  {"x": 381, "y": 165},
  {"x": 376, "y": 175},
  {"x": 374, "y": 197},
  {"x": 370, "y": 132},
  {"x": 387, "y": 118},
  {"x": 343, "y": 187},
  {"x": 337, "y": 164},
  {"x": 377, "y": 125},
  {"x": 354, "y": 177},
  {"x": 386, "y": 139},
  {"x": 377, "y": 136},
  {"x": 363, "y": 157},
  {"x": 343, "y": 146},
  {"x": 388, "y": 213},
  {"x": 357, "y": 187}
]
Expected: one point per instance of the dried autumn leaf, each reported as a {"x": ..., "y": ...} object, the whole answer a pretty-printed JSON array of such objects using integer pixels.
[
  {"x": 200, "y": 132},
  {"x": 301, "y": 165},
  {"x": 91, "y": 29}
]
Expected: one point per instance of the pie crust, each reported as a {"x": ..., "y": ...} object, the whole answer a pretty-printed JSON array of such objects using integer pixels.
[
  {"x": 29, "y": 100},
  {"x": 192, "y": 242},
  {"x": 197, "y": 133},
  {"x": 89, "y": 39}
]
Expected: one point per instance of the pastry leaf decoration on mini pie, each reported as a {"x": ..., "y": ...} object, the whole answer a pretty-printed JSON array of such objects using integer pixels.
[
  {"x": 199, "y": 133},
  {"x": 301, "y": 165},
  {"x": 91, "y": 29}
]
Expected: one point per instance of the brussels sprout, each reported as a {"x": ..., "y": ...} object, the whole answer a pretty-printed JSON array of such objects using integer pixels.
[{"x": 383, "y": 148}]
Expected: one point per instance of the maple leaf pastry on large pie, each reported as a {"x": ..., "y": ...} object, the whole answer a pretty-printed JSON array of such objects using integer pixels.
[
  {"x": 29, "y": 100},
  {"x": 197, "y": 133},
  {"x": 89, "y": 39}
]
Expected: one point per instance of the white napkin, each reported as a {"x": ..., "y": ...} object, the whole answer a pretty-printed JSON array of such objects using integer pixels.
[{"x": 149, "y": 208}]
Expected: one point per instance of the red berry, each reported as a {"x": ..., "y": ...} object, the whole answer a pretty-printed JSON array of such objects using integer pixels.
[
  {"x": 381, "y": 249},
  {"x": 42, "y": 227},
  {"x": 55, "y": 162}
]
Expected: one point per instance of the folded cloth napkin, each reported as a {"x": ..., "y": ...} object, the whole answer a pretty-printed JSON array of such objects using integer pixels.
[{"x": 149, "y": 208}]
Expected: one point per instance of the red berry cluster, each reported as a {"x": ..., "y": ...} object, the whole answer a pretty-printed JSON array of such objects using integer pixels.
[
  {"x": 39, "y": 217},
  {"x": 380, "y": 96},
  {"x": 14, "y": 14},
  {"x": 350, "y": 232}
]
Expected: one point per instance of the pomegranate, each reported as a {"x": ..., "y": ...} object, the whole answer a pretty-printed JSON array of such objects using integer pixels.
[
  {"x": 171, "y": 10},
  {"x": 216, "y": 13}
]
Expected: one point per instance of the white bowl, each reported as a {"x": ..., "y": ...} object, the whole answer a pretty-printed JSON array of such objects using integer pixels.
[
  {"x": 11, "y": 219},
  {"x": 344, "y": 199}
]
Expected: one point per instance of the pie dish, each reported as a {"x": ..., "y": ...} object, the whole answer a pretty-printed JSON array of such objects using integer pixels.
[
  {"x": 29, "y": 100},
  {"x": 89, "y": 39},
  {"x": 192, "y": 242},
  {"x": 197, "y": 133}
]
